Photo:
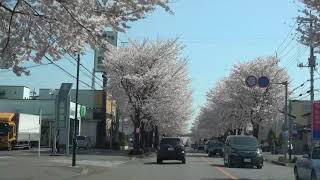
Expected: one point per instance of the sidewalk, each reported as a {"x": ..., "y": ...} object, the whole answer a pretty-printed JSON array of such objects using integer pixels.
[
  {"x": 274, "y": 158},
  {"x": 32, "y": 167}
]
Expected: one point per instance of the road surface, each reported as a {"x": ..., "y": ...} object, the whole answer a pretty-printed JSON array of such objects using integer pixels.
[{"x": 95, "y": 166}]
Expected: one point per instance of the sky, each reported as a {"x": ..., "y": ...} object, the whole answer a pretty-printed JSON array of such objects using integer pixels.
[{"x": 217, "y": 34}]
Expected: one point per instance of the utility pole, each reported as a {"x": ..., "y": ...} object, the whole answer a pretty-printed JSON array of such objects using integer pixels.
[
  {"x": 105, "y": 105},
  {"x": 311, "y": 65},
  {"x": 290, "y": 130},
  {"x": 76, "y": 116},
  {"x": 286, "y": 115}
]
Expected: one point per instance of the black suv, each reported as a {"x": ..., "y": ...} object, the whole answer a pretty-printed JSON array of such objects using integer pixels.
[
  {"x": 171, "y": 149},
  {"x": 215, "y": 147},
  {"x": 242, "y": 150}
]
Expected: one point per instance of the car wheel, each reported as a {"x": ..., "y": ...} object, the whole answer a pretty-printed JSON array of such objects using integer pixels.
[
  {"x": 313, "y": 176},
  {"x": 296, "y": 175},
  {"x": 159, "y": 161},
  {"x": 209, "y": 154},
  {"x": 229, "y": 163},
  {"x": 225, "y": 162},
  {"x": 259, "y": 166},
  {"x": 183, "y": 160}
]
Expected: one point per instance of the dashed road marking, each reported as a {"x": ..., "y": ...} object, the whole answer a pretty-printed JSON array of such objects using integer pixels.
[{"x": 223, "y": 171}]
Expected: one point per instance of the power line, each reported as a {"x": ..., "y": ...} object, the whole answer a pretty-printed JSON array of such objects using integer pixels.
[
  {"x": 83, "y": 72},
  {"x": 28, "y": 67},
  {"x": 287, "y": 36},
  {"x": 91, "y": 73},
  {"x": 301, "y": 85},
  {"x": 66, "y": 72}
]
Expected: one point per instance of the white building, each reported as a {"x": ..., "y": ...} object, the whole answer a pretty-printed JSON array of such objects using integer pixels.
[
  {"x": 51, "y": 114},
  {"x": 91, "y": 124},
  {"x": 14, "y": 92}
]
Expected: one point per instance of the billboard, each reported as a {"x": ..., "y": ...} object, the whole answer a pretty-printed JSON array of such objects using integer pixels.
[
  {"x": 316, "y": 121},
  {"x": 112, "y": 38}
]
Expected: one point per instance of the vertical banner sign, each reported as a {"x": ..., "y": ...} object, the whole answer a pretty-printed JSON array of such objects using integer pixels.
[
  {"x": 99, "y": 57},
  {"x": 316, "y": 121}
]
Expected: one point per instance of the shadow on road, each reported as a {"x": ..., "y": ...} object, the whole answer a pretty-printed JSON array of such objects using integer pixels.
[
  {"x": 163, "y": 163},
  {"x": 217, "y": 165},
  {"x": 224, "y": 179},
  {"x": 196, "y": 155}
]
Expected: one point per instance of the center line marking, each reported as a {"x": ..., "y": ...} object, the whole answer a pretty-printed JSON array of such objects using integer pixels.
[{"x": 222, "y": 171}]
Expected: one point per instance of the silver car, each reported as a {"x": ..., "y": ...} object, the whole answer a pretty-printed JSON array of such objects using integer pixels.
[{"x": 308, "y": 168}]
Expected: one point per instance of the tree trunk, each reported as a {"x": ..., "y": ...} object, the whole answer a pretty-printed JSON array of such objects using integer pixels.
[
  {"x": 136, "y": 144},
  {"x": 256, "y": 129},
  {"x": 156, "y": 138},
  {"x": 142, "y": 136}
]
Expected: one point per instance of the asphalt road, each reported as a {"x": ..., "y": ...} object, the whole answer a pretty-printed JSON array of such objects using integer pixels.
[{"x": 96, "y": 166}]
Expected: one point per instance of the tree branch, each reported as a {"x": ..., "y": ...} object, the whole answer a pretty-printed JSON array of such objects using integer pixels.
[{"x": 10, "y": 23}]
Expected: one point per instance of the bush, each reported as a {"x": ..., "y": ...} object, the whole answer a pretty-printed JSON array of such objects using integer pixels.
[{"x": 123, "y": 139}]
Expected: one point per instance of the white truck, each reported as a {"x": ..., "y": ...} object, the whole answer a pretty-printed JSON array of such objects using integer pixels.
[{"x": 18, "y": 130}]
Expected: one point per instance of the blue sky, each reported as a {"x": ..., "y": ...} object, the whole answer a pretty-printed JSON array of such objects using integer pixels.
[{"x": 217, "y": 34}]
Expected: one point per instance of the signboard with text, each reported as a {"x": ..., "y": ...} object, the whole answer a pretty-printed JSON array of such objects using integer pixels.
[
  {"x": 316, "y": 121},
  {"x": 99, "y": 57}
]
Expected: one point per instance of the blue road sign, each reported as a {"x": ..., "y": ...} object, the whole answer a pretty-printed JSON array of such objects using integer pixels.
[{"x": 263, "y": 82}]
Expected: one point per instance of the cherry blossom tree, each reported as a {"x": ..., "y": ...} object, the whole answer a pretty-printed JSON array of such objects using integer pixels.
[
  {"x": 309, "y": 24},
  {"x": 152, "y": 84},
  {"x": 232, "y": 106},
  {"x": 32, "y": 29}
]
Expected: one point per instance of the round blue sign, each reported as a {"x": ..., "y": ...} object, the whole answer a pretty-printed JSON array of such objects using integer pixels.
[{"x": 263, "y": 82}]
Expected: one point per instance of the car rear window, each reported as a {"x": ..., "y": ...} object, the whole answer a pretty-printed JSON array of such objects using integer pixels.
[
  {"x": 219, "y": 144},
  {"x": 81, "y": 138},
  {"x": 171, "y": 141},
  {"x": 244, "y": 141}
]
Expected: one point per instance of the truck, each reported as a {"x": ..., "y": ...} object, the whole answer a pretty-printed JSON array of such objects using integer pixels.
[{"x": 18, "y": 130}]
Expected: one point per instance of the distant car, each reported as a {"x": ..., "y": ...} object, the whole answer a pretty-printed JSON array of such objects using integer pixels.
[
  {"x": 242, "y": 150},
  {"x": 171, "y": 148},
  {"x": 309, "y": 166},
  {"x": 194, "y": 146},
  {"x": 201, "y": 146},
  {"x": 83, "y": 142},
  {"x": 215, "y": 147}
]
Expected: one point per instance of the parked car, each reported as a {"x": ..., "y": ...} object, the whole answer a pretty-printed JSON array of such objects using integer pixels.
[
  {"x": 215, "y": 147},
  {"x": 309, "y": 166},
  {"x": 83, "y": 142},
  {"x": 22, "y": 145},
  {"x": 242, "y": 150},
  {"x": 171, "y": 148}
]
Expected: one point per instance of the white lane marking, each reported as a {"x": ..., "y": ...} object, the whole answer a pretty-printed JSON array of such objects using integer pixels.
[
  {"x": 5, "y": 157},
  {"x": 91, "y": 163}
]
